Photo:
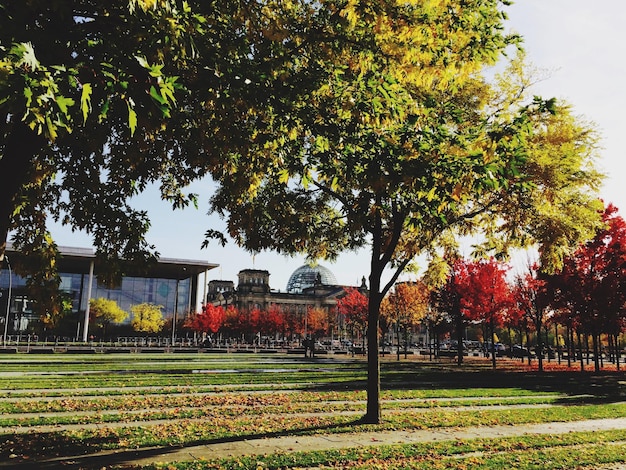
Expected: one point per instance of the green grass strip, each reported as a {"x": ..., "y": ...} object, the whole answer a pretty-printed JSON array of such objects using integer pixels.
[{"x": 537, "y": 452}]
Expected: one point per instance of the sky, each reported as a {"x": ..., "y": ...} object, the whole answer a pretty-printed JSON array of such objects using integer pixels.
[{"x": 579, "y": 43}]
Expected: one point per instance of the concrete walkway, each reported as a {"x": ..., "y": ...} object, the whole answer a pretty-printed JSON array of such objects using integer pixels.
[{"x": 234, "y": 447}]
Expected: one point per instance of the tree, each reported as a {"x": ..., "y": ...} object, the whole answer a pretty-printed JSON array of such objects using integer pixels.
[
  {"x": 532, "y": 296},
  {"x": 106, "y": 311},
  {"x": 326, "y": 128},
  {"x": 232, "y": 322},
  {"x": 406, "y": 306},
  {"x": 98, "y": 100},
  {"x": 276, "y": 319},
  {"x": 486, "y": 295},
  {"x": 147, "y": 318},
  {"x": 317, "y": 321},
  {"x": 593, "y": 281},
  {"x": 209, "y": 320},
  {"x": 354, "y": 308},
  {"x": 448, "y": 298},
  {"x": 402, "y": 143}
]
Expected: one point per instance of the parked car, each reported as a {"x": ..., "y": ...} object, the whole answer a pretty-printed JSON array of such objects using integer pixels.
[
  {"x": 520, "y": 351},
  {"x": 499, "y": 348}
]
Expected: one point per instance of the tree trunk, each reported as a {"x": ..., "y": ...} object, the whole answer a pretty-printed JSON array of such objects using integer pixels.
[
  {"x": 398, "y": 342},
  {"x": 557, "y": 343},
  {"x": 528, "y": 346},
  {"x": 570, "y": 345},
  {"x": 493, "y": 344},
  {"x": 580, "y": 349},
  {"x": 22, "y": 146},
  {"x": 540, "y": 347},
  {"x": 547, "y": 344},
  {"x": 406, "y": 342},
  {"x": 373, "y": 413},
  {"x": 595, "y": 338},
  {"x": 459, "y": 337}
]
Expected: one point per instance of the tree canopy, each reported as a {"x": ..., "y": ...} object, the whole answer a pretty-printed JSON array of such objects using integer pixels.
[
  {"x": 106, "y": 311},
  {"x": 147, "y": 318},
  {"x": 100, "y": 99},
  {"x": 404, "y": 147},
  {"x": 405, "y": 306}
]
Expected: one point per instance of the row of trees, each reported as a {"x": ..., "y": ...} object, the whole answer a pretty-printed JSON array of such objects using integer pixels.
[
  {"x": 587, "y": 297},
  {"x": 282, "y": 323}
]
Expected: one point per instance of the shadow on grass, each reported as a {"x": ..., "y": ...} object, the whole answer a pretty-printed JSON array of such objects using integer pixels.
[
  {"x": 606, "y": 385},
  {"x": 586, "y": 387},
  {"x": 88, "y": 455}
]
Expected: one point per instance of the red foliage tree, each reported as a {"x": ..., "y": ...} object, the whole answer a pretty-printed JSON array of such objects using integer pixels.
[
  {"x": 485, "y": 295},
  {"x": 354, "y": 307},
  {"x": 210, "y": 320},
  {"x": 236, "y": 322},
  {"x": 593, "y": 283},
  {"x": 448, "y": 299},
  {"x": 275, "y": 321},
  {"x": 267, "y": 322},
  {"x": 532, "y": 295}
]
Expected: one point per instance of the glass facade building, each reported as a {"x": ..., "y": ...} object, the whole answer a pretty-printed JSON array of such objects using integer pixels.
[{"x": 178, "y": 286}]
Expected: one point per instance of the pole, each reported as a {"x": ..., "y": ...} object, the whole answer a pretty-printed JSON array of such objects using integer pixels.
[
  {"x": 6, "y": 319},
  {"x": 86, "y": 320},
  {"x": 175, "y": 311}
]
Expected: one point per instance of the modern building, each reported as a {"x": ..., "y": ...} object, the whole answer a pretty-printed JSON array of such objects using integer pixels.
[{"x": 179, "y": 286}]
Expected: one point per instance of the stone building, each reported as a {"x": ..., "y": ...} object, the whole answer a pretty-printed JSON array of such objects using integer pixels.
[{"x": 308, "y": 287}]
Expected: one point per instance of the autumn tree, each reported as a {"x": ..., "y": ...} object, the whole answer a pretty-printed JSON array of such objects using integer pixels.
[
  {"x": 326, "y": 127},
  {"x": 404, "y": 141},
  {"x": 99, "y": 100},
  {"x": 533, "y": 297},
  {"x": 317, "y": 321},
  {"x": 233, "y": 321},
  {"x": 274, "y": 320},
  {"x": 516, "y": 319},
  {"x": 405, "y": 307},
  {"x": 105, "y": 312},
  {"x": 147, "y": 318},
  {"x": 447, "y": 297},
  {"x": 593, "y": 281},
  {"x": 486, "y": 295},
  {"x": 209, "y": 320},
  {"x": 354, "y": 308}
]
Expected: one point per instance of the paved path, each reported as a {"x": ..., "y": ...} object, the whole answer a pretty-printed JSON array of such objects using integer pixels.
[{"x": 238, "y": 447}]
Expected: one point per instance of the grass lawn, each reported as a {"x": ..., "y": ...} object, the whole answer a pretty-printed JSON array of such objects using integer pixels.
[{"x": 67, "y": 405}]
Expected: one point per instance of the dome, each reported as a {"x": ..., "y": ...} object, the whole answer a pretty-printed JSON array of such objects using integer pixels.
[{"x": 306, "y": 275}]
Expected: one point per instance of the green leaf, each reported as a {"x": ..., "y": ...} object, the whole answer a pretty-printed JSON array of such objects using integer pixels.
[
  {"x": 103, "y": 111},
  {"x": 28, "y": 94},
  {"x": 283, "y": 176},
  {"x": 85, "y": 100},
  {"x": 64, "y": 103},
  {"x": 157, "y": 96},
  {"x": 26, "y": 53},
  {"x": 132, "y": 119}
]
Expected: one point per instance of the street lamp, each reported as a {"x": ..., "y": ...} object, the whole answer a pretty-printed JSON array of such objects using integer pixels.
[{"x": 6, "y": 319}]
